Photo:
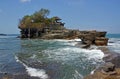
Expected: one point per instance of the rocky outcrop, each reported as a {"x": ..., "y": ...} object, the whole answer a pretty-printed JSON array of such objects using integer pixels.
[
  {"x": 60, "y": 32},
  {"x": 100, "y": 75},
  {"x": 108, "y": 67},
  {"x": 40, "y": 26},
  {"x": 101, "y": 41},
  {"x": 108, "y": 71},
  {"x": 111, "y": 68},
  {"x": 87, "y": 37},
  {"x": 94, "y": 37}
]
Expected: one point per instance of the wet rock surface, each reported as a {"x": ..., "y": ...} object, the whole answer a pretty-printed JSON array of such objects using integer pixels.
[
  {"x": 111, "y": 68},
  {"x": 101, "y": 41},
  {"x": 108, "y": 67},
  {"x": 101, "y": 75}
]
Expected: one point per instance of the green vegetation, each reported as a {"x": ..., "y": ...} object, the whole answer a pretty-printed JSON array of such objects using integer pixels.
[{"x": 37, "y": 20}]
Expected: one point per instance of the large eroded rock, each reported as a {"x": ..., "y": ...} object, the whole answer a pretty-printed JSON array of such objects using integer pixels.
[
  {"x": 101, "y": 41},
  {"x": 108, "y": 71}
]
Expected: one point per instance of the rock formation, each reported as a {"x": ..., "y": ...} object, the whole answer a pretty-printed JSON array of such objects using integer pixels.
[
  {"x": 38, "y": 25},
  {"x": 101, "y": 41},
  {"x": 94, "y": 37},
  {"x": 108, "y": 71}
]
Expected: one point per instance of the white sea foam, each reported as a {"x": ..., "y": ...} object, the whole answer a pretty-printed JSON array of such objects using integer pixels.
[
  {"x": 37, "y": 73},
  {"x": 114, "y": 44},
  {"x": 72, "y": 42},
  {"x": 71, "y": 53},
  {"x": 78, "y": 40},
  {"x": 92, "y": 72},
  {"x": 33, "y": 56},
  {"x": 77, "y": 75},
  {"x": 40, "y": 73},
  {"x": 61, "y": 40},
  {"x": 64, "y": 40}
]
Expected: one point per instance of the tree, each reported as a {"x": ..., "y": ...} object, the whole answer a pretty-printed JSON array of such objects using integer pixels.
[
  {"x": 38, "y": 19},
  {"x": 40, "y": 15}
]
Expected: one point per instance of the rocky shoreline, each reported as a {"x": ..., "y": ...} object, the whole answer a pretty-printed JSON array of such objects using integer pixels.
[
  {"x": 110, "y": 57},
  {"x": 88, "y": 38}
]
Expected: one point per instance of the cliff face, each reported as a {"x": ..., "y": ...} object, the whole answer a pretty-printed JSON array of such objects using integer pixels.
[{"x": 94, "y": 37}]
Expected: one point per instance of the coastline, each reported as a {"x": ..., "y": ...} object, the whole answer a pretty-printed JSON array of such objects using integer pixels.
[{"x": 110, "y": 56}]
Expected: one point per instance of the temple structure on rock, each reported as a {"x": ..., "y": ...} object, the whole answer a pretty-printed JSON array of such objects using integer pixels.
[
  {"x": 38, "y": 29},
  {"x": 40, "y": 26}
]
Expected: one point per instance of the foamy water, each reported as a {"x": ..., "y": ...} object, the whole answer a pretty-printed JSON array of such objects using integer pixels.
[
  {"x": 67, "y": 55},
  {"x": 72, "y": 53},
  {"x": 40, "y": 73},
  {"x": 50, "y": 59},
  {"x": 114, "y": 44}
]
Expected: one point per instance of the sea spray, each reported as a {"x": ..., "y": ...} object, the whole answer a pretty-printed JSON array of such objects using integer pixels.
[
  {"x": 40, "y": 73},
  {"x": 114, "y": 44}
]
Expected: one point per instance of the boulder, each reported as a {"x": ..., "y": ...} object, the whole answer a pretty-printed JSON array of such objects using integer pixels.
[
  {"x": 93, "y": 37},
  {"x": 108, "y": 71},
  {"x": 108, "y": 67},
  {"x": 101, "y": 41},
  {"x": 88, "y": 39}
]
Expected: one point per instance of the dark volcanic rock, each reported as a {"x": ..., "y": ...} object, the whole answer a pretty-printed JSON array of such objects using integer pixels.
[{"x": 108, "y": 67}]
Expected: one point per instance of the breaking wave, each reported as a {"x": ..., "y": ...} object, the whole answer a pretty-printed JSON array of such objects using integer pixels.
[
  {"x": 70, "y": 53},
  {"x": 114, "y": 44},
  {"x": 40, "y": 73}
]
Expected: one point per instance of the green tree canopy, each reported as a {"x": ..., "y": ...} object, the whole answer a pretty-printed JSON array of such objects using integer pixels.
[{"x": 37, "y": 19}]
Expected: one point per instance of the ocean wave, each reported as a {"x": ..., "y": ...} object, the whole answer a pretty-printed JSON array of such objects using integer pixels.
[
  {"x": 72, "y": 42},
  {"x": 114, "y": 44},
  {"x": 77, "y": 75},
  {"x": 40, "y": 73},
  {"x": 71, "y": 53},
  {"x": 65, "y": 40}
]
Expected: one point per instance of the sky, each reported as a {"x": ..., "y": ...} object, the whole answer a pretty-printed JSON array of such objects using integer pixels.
[{"x": 101, "y": 15}]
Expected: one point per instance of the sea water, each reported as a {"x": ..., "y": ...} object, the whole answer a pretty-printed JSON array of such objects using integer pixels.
[
  {"x": 114, "y": 42},
  {"x": 50, "y": 59}
]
